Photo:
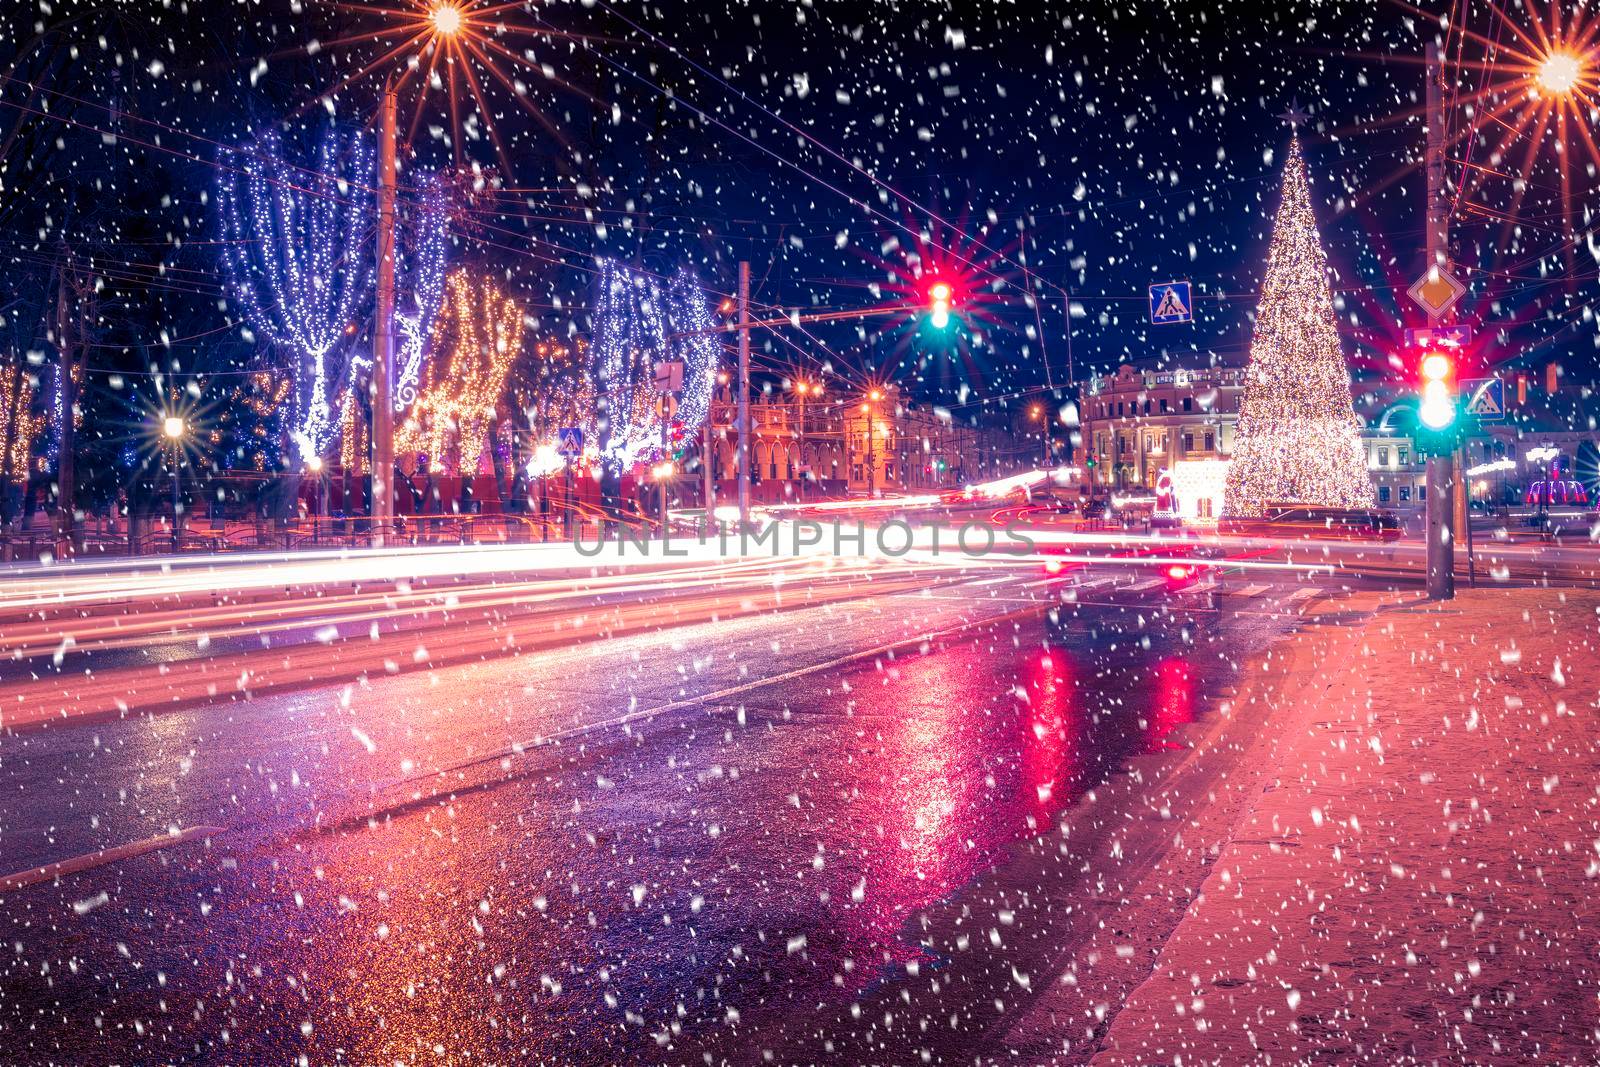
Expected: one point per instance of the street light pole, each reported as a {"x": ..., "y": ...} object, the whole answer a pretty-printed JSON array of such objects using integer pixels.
[
  {"x": 1440, "y": 470},
  {"x": 744, "y": 395},
  {"x": 383, "y": 332},
  {"x": 175, "y": 504},
  {"x": 173, "y": 428}
]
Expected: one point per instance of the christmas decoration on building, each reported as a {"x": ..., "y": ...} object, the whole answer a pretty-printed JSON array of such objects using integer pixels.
[
  {"x": 477, "y": 337},
  {"x": 294, "y": 248},
  {"x": 639, "y": 323},
  {"x": 1298, "y": 437}
]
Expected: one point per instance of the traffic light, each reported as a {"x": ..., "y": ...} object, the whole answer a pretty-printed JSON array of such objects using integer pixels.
[
  {"x": 940, "y": 295},
  {"x": 1437, "y": 410}
]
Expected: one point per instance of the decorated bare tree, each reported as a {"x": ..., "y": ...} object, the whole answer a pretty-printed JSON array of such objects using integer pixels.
[{"x": 295, "y": 246}]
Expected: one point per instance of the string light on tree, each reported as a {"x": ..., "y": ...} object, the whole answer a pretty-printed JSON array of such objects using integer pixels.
[
  {"x": 477, "y": 336},
  {"x": 638, "y": 324},
  {"x": 430, "y": 236},
  {"x": 19, "y": 425},
  {"x": 559, "y": 393},
  {"x": 421, "y": 268},
  {"x": 1298, "y": 437},
  {"x": 292, "y": 246}
]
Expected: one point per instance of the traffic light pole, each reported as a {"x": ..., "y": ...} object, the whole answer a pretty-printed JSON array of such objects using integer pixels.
[{"x": 1441, "y": 469}]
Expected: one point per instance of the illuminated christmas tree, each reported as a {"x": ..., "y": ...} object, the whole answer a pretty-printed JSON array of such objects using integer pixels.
[{"x": 1298, "y": 439}]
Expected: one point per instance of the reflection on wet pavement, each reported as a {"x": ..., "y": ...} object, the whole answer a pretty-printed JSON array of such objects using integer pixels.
[{"x": 651, "y": 892}]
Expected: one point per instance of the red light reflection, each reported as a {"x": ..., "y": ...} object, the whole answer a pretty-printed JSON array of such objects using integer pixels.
[{"x": 1174, "y": 702}]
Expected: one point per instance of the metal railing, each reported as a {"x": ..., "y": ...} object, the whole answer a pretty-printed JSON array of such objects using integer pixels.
[{"x": 145, "y": 536}]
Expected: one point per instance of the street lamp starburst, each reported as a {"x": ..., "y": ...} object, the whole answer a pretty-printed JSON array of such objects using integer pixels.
[
  {"x": 450, "y": 56},
  {"x": 1528, "y": 88},
  {"x": 446, "y": 19},
  {"x": 1560, "y": 73}
]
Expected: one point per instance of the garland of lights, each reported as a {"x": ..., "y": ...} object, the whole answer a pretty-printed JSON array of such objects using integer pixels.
[
  {"x": 19, "y": 426},
  {"x": 58, "y": 407},
  {"x": 563, "y": 396},
  {"x": 1298, "y": 437},
  {"x": 430, "y": 236},
  {"x": 291, "y": 245},
  {"x": 422, "y": 263},
  {"x": 637, "y": 325},
  {"x": 251, "y": 419},
  {"x": 480, "y": 326}
]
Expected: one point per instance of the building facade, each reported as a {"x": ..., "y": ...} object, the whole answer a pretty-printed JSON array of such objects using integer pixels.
[
  {"x": 839, "y": 442},
  {"x": 1135, "y": 424}
]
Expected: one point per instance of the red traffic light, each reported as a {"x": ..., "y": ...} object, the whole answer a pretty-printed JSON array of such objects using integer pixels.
[
  {"x": 940, "y": 296},
  {"x": 1438, "y": 400}
]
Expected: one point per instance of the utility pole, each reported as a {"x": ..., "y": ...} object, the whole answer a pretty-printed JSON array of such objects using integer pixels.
[
  {"x": 1441, "y": 469},
  {"x": 383, "y": 333},
  {"x": 872, "y": 456},
  {"x": 661, "y": 482},
  {"x": 65, "y": 473},
  {"x": 800, "y": 445},
  {"x": 73, "y": 344},
  {"x": 744, "y": 395},
  {"x": 708, "y": 458}
]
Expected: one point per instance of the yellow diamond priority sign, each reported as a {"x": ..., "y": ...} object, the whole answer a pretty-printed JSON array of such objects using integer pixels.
[{"x": 1437, "y": 291}]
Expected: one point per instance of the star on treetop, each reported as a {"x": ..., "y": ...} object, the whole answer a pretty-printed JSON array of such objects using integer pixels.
[{"x": 1295, "y": 115}]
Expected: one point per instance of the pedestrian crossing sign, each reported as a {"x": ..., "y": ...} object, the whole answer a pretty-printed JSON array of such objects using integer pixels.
[
  {"x": 1170, "y": 303},
  {"x": 569, "y": 441},
  {"x": 1485, "y": 399}
]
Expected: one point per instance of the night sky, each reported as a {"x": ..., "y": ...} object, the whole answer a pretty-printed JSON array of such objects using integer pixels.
[{"x": 1080, "y": 148}]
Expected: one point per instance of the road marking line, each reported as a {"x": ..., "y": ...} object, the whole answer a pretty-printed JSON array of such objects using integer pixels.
[
  {"x": 1138, "y": 587},
  {"x": 51, "y": 871},
  {"x": 1253, "y": 590},
  {"x": 1303, "y": 593}
]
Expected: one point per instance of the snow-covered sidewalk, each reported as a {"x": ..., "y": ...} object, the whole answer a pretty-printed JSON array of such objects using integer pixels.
[{"x": 1417, "y": 878}]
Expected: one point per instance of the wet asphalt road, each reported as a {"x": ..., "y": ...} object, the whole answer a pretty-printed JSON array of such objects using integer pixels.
[{"x": 649, "y": 849}]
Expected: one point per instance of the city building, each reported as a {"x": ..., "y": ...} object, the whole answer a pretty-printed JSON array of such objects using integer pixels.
[
  {"x": 819, "y": 435},
  {"x": 1135, "y": 424}
]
